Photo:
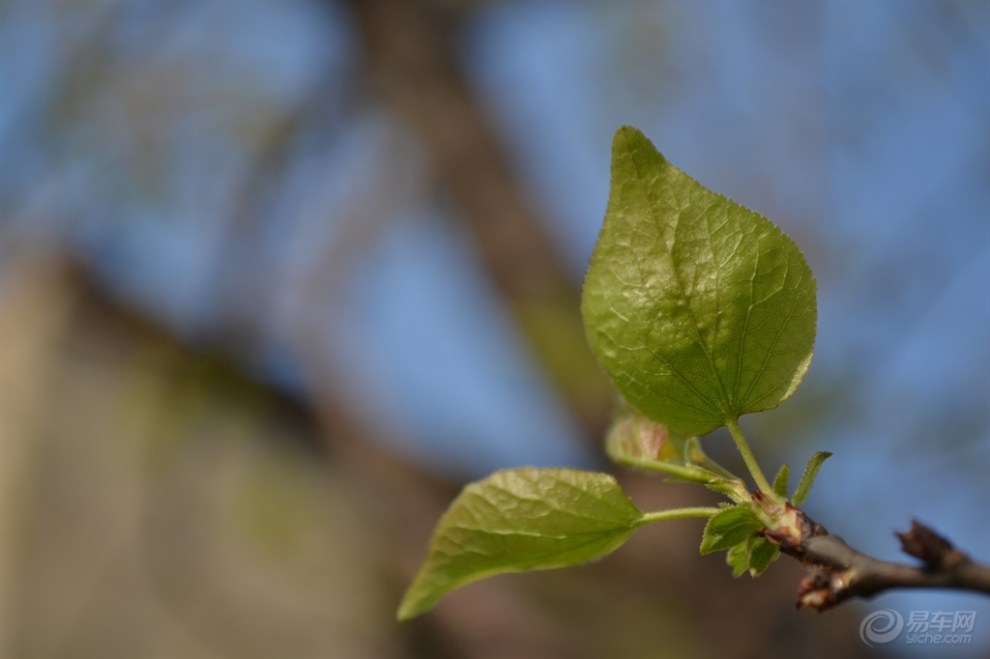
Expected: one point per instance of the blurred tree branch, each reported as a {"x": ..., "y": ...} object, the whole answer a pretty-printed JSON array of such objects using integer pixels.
[
  {"x": 399, "y": 505},
  {"x": 413, "y": 66}
]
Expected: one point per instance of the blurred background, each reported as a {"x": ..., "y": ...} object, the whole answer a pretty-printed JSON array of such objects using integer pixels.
[{"x": 277, "y": 277}]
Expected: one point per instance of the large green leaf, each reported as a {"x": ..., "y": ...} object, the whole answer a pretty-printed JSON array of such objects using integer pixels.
[
  {"x": 518, "y": 520},
  {"x": 699, "y": 309}
]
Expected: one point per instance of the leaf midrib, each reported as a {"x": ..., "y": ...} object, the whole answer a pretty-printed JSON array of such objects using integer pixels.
[{"x": 726, "y": 407}]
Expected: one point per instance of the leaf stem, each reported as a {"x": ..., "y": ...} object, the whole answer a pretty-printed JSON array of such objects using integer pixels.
[
  {"x": 747, "y": 455},
  {"x": 684, "y": 472},
  {"x": 698, "y": 456},
  {"x": 679, "y": 513}
]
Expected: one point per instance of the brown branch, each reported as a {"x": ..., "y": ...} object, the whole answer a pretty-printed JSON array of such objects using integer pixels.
[
  {"x": 837, "y": 572},
  {"x": 411, "y": 56}
]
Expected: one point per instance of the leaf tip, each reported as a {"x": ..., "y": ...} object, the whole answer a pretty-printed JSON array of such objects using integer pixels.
[
  {"x": 808, "y": 477},
  {"x": 627, "y": 137},
  {"x": 625, "y": 131},
  {"x": 411, "y": 606}
]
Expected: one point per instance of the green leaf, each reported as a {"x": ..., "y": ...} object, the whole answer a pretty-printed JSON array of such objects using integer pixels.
[
  {"x": 518, "y": 520},
  {"x": 732, "y": 488},
  {"x": 808, "y": 477},
  {"x": 728, "y": 528},
  {"x": 738, "y": 558},
  {"x": 761, "y": 554},
  {"x": 699, "y": 309},
  {"x": 781, "y": 480},
  {"x": 753, "y": 555}
]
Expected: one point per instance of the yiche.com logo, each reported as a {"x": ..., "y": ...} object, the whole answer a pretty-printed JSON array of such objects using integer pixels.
[{"x": 881, "y": 627}]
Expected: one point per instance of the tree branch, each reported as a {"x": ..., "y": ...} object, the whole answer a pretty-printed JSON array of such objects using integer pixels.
[
  {"x": 837, "y": 572},
  {"x": 412, "y": 61}
]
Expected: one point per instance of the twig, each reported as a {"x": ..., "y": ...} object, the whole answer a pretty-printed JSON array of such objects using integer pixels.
[{"x": 837, "y": 572}]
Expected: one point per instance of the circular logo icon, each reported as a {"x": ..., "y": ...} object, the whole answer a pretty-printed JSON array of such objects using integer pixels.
[{"x": 881, "y": 627}]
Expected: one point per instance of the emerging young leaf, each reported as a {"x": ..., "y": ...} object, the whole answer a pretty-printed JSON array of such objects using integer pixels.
[
  {"x": 762, "y": 554},
  {"x": 521, "y": 519},
  {"x": 753, "y": 555},
  {"x": 737, "y": 558},
  {"x": 699, "y": 309},
  {"x": 781, "y": 481},
  {"x": 637, "y": 441},
  {"x": 729, "y": 528},
  {"x": 808, "y": 477}
]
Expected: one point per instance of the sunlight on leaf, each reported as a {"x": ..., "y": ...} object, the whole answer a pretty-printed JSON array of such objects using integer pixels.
[
  {"x": 522, "y": 519},
  {"x": 699, "y": 309}
]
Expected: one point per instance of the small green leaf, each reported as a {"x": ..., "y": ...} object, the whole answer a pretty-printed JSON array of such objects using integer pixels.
[
  {"x": 732, "y": 488},
  {"x": 762, "y": 553},
  {"x": 781, "y": 480},
  {"x": 753, "y": 555},
  {"x": 808, "y": 477},
  {"x": 729, "y": 527},
  {"x": 738, "y": 558},
  {"x": 518, "y": 520},
  {"x": 699, "y": 309}
]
